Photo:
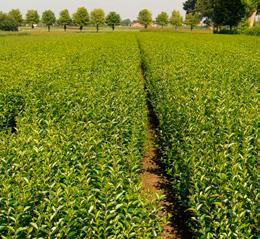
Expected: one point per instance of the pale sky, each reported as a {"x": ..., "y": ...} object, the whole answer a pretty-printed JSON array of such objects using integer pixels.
[{"x": 126, "y": 8}]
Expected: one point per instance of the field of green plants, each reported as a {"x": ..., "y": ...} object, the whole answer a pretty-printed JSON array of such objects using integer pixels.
[
  {"x": 73, "y": 125},
  {"x": 204, "y": 91},
  {"x": 71, "y": 168}
]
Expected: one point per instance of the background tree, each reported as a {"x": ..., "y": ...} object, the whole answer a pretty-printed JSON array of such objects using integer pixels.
[
  {"x": 234, "y": 12},
  {"x": 252, "y": 9},
  {"x": 192, "y": 19},
  {"x": 113, "y": 19},
  {"x": 17, "y": 16},
  {"x": 251, "y": 6},
  {"x": 48, "y": 18},
  {"x": 32, "y": 17},
  {"x": 97, "y": 17},
  {"x": 81, "y": 17},
  {"x": 126, "y": 22},
  {"x": 145, "y": 17},
  {"x": 206, "y": 9},
  {"x": 221, "y": 12},
  {"x": 64, "y": 19},
  {"x": 176, "y": 19},
  {"x": 189, "y": 5},
  {"x": 7, "y": 22},
  {"x": 162, "y": 19}
]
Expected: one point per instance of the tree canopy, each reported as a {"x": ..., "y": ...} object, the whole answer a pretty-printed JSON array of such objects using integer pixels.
[
  {"x": 145, "y": 17},
  {"x": 113, "y": 19},
  {"x": 7, "y": 22},
  {"x": 221, "y": 12},
  {"x": 97, "y": 17},
  {"x": 81, "y": 17},
  {"x": 17, "y": 16},
  {"x": 48, "y": 18},
  {"x": 189, "y": 5},
  {"x": 32, "y": 17},
  {"x": 64, "y": 18},
  {"x": 162, "y": 19},
  {"x": 192, "y": 19},
  {"x": 251, "y": 6},
  {"x": 234, "y": 11},
  {"x": 176, "y": 19}
]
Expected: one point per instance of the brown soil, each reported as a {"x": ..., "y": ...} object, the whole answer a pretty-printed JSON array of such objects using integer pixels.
[
  {"x": 154, "y": 182},
  {"x": 154, "y": 177}
]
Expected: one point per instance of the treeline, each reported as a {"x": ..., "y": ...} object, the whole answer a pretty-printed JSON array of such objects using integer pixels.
[
  {"x": 162, "y": 19},
  {"x": 81, "y": 18},
  {"x": 222, "y": 13},
  {"x": 212, "y": 13}
]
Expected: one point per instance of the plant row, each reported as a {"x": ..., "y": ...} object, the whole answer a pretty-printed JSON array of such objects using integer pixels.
[
  {"x": 204, "y": 93},
  {"x": 70, "y": 164}
]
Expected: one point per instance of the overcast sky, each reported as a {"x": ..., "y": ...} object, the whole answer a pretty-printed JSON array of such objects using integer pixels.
[{"x": 127, "y": 8}]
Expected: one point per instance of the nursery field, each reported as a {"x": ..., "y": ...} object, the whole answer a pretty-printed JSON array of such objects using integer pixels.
[
  {"x": 72, "y": 132},
  {"x": 73, "y": 129},
  {"x": 204, "y": 92}
]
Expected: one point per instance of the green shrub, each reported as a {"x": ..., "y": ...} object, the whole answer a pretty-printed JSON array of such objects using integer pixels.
[
  {"x": 255, "y": 31},
  {"x": 11, "y": 106},
  {"x": 7, "y": 23},
  {"x": 204, "y": 91},
  {"x": 73, "y": 169}
]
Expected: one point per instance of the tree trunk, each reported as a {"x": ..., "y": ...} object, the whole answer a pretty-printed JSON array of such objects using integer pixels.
[
  {"x": 145, "y": 26},
  {"x": 113, "y": 27},
  {"x": 49, "y": 28},
  {"x": 251, "y": 19},
  {"x": 97, "y": 26},
  {"x": 65, "y": 28},
  {"x": 215, "y": 28},
  {"x": 191, "y": 27},
  {"x": 81, "y": 28},
  {"x": 32, "y": 26}
]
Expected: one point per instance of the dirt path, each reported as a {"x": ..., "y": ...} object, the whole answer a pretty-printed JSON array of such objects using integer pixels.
[
  {"x": 154, "y": 180},
  {"x": 154, "y": 177}
]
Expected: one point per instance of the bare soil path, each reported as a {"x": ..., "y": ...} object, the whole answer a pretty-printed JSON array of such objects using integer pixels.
[
  {"x": 155, "y": 182},
  {"x": 154, "y": 177}
]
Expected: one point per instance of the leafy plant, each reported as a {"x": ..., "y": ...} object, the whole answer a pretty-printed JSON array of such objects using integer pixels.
[
  {"x": 204, "y": 92},
  {"x": 73, "y": 169}
]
